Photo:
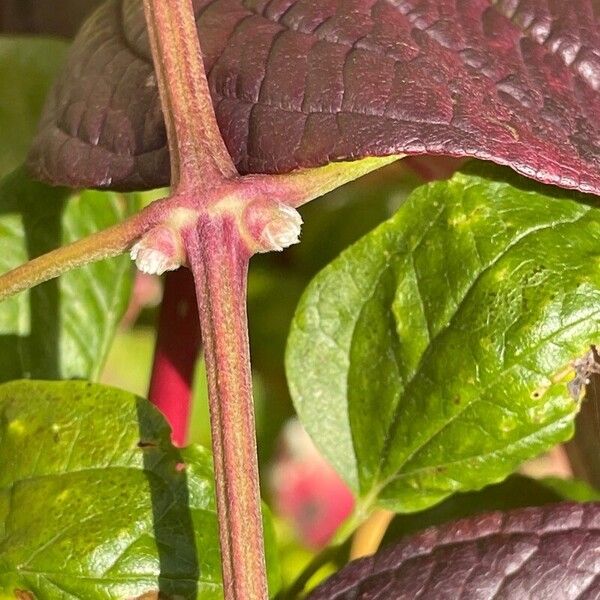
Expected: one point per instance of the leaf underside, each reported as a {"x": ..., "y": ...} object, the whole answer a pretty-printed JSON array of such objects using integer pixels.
[
  {"x": 549, "y": 553},
  {"x": 299, "y": 83}
]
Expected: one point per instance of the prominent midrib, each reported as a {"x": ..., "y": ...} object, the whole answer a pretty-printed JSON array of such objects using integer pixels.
[
  {"x": 393, "y": 423},
  {"x": 468, "y": 405},
  {"x": 466, "y": 459}
]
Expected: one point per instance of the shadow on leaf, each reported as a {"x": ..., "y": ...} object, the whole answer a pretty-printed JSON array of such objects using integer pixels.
[
  {"x": 174, "y": 535},
  {"x": 40, "y": 208}
]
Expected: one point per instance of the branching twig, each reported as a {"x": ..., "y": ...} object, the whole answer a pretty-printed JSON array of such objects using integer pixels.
[
  {"x": 216, "y": 220},
  {"x": 101, "y": 245},
  {"x": 218, "y": 256}
]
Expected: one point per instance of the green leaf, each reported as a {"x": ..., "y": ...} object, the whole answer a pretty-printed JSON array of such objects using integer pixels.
[
  {"x": 432, "y": 356},
  {"x": 276, "y": 281},
  {"x": 96, "y": 503},
  {"x": 27, "y": 68},
  {"x": 340, "y": 218},
  {"x": 62, "y": 329}
]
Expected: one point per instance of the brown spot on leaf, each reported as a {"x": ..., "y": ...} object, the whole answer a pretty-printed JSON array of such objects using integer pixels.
[
  {"x": 143, "y": 444},
  {"x": 24, "y": 595},
  {"x": 585, "y": 367}
]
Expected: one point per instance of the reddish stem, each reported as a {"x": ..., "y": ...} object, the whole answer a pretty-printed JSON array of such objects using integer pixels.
[
  {"x": 177, "y": 349},
  {"x": 219, "y": 261},
  {"x": 197, "y": 150}
]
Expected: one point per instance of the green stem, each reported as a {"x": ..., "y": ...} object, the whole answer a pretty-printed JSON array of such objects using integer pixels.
[
  {"x": 104, "y": 244},
  {"x": 219, "y": 261}
]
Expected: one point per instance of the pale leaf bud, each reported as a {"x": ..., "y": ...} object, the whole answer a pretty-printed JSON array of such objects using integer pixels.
[
  {"x": 273, "y": 225},
  {"x": 159, "y": 250}
]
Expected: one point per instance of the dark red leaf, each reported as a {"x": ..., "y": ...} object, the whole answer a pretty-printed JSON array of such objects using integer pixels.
[
  {"x": 299, "y": 83},
  {"x": 547, "y": 553},
  {"x": 41, "y": 17}
]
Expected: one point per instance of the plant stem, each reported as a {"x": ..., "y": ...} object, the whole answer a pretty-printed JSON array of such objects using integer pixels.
[
  {"x": 101, "y": 245},
  {"x": 198, "y": 152},
  {"x": 219, "y": 261},
  {"x": 369, "y": 535},
  {"x": 177, "y": 349}
]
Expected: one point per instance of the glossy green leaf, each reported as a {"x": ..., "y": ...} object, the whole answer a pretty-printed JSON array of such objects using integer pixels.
[
  {"x": 27, "y": 68},
  {"x": 277, "y": 280},
  {"x": 62, "y": 329},
  {"x": 95, "y": 502},
  {"x": 338, "y": 219},
  {"x": 433, "y": 355}
]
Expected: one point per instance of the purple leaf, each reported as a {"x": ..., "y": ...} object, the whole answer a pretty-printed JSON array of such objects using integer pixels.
[
  {"x": 299, "y": 83},
  {"x": 548, "y": 553},
  {"x": 41, "y": 17}
]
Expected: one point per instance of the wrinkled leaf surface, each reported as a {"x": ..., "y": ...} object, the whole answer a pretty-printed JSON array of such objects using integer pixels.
[
  {"x": 299, "y": 83},
  {"x": 548, "y": 553}
]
